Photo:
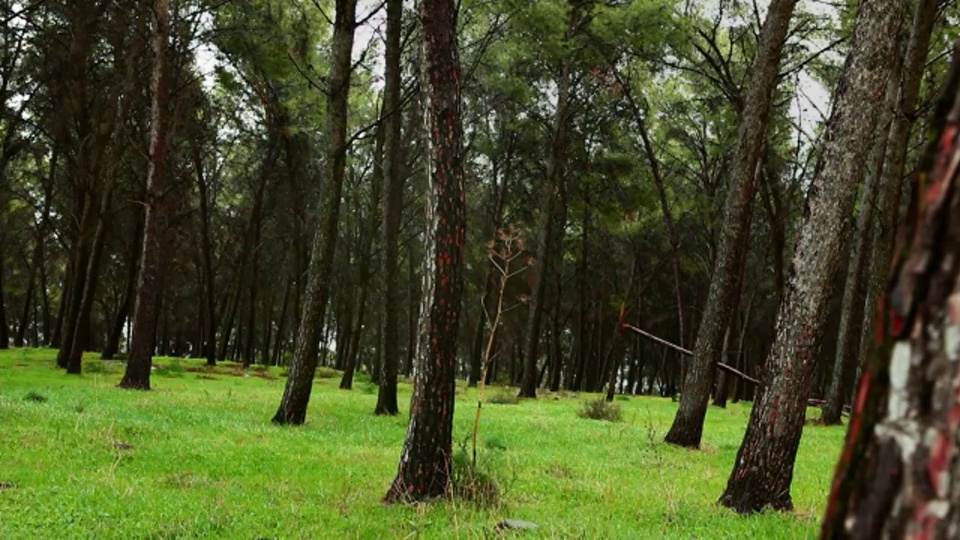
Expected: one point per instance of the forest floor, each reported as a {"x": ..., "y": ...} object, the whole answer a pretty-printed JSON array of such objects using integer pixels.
[{"x": 198, "y": 456}]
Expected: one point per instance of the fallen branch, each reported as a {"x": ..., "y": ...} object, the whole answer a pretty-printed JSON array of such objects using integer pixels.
[{"x": 720, "y": 365}]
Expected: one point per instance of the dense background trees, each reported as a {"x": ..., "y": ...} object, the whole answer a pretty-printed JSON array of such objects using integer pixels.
[{"x": 628, "y": 140}]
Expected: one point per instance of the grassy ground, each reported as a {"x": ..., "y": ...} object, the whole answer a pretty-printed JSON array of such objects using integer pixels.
[{"x": 197, "y": 456}]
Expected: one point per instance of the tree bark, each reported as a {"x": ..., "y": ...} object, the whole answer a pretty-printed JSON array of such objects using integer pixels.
[
  {"x": 130, "y": 291},
  {"x": 392, "y": 212},
  {"x": 924, "y": 17},
  {"x": 209, "y": 350},
  {"x": 4, "y": 330},
  {"x": 37, "y": 260},
  {"x": 424, "y": 470},
  {"x": 897, "y": 475},
  {"x": 687, "y": 427},
  {"x": 764, "y": 465},
  {"x": 137, "y": 374},
  {"x": 296, "y": 395},
  {"x": 851, "y": 311},
  {"x": 545, "y": 244}
]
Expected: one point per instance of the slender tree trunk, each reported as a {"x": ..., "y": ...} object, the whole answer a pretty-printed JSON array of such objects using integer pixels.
[
  {"x": 898, "y": 473},
  {"x": 413, "y": 314},
  {"x": 764, "y": 466},
  {"x": 36, "y": 262},
  {"x": 424, "y": 470},
  {"x": 77, "y": 277},
  {"x": 392, "y": 212},
  {"x": 366, "y": 257},
  {"x": 137, "y": 374},
  {"x": 130, "y": 291},
  {"x": 88, "y": 290},
  {"x": 924, "y": 17},
  {"x": 206, "y": 246},
  {"x": 280, "y": 340},
  {"x": 267, "y": 333},
  {"x": 545, "y": 244},
  {"x": 617, "y": 344},
  {"x": 233, "y": 302},
  {"x": 296, "y": 395},
  {"x": 687, "y": 427},
  {"x": 4, "y": 330}
]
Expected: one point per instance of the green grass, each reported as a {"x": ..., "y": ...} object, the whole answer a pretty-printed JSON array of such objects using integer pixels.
[{"x": 198, "y": 457}]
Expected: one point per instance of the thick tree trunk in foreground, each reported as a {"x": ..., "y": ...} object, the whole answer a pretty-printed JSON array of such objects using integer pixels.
[
  {"x": 898, "y": 473},
  {"x": 764, "y": 466},
  {"x": 146, "y": 310},
  {"x": 296, "y": 395},
  {"x": 848, "y": 336},
  {"x": 687, "y": 426},
  {"x": 425, "y": 461}
]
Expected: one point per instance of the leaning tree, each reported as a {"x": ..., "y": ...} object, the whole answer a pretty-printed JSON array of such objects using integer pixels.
[
  {"x": 897, "y": 475},
  {"x": 763, "y": 469}
]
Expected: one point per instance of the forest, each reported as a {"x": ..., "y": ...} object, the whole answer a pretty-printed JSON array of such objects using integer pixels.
[{"x": 305, "y": 233}]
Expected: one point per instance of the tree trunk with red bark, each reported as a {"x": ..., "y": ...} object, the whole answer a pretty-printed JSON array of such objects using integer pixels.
[{"x": 425, "y": 461}]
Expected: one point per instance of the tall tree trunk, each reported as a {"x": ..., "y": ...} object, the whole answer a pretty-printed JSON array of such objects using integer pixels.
[
  {"x": 130, "y": 291},
  {"x": 764, "y": 465},
  {"x": 206, "y": 246},
  {"x": 425, "y": 461},
  {"x": 545, "y": 243},
  {"x": 296, "y": 395},
  {"x": 77, "y": 277},
  {"x": 366, "y": 256},
  {"x": 267, "y": 333},
  {"x": 924, "y": 17},
  {"x": 392, "y": 212},
  {"x": 413, "y": 314},
  {"x": 851, "y": 311},
  {"x": 4, "y": 330},
  {"x": 617, "y": 345},
  {"x": 230, "y": 317},
  {"x": 687, "y": 427},
  {"x": 88, "y": 290},
  {"x": 500, "y": 186},
  {"x": 137, "y": 374},
  {"x": 37, "y": 261},
  {"x": 898, "y": 473}
]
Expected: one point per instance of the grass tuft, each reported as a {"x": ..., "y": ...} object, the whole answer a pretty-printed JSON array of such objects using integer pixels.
[
  {"x": 35, "y": 397},
  {"x": 600, "y": 409},
  {"x": 504, "y": 397}
]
